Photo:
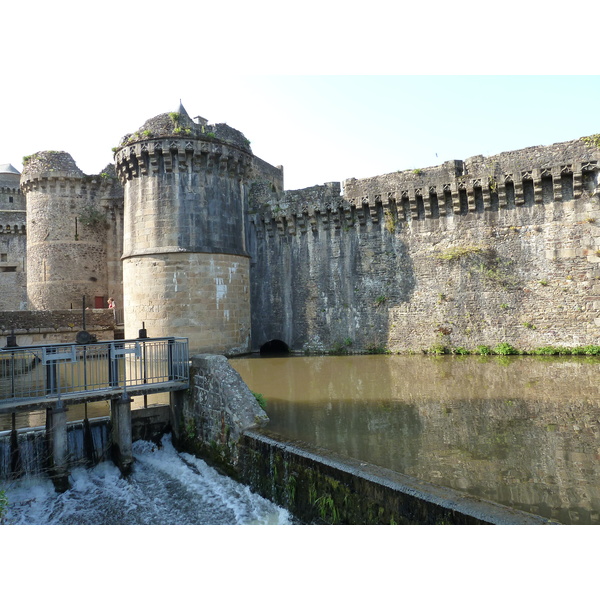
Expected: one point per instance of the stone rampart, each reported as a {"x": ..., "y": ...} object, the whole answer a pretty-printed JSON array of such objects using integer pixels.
[{"x": 480, "y": 252}]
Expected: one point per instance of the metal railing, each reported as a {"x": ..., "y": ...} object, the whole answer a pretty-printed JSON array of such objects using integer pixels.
[{"x": 74, "y": 371}]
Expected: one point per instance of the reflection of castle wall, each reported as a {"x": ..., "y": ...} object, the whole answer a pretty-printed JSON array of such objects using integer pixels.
[
  {"x": 524, "y": 432},
  {"x": 493, "y": 249}
]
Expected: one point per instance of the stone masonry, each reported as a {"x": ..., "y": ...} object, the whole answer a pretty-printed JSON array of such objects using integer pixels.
[
  {"x": 489, "y": 250},
  {"x": 471, "y": 252}
]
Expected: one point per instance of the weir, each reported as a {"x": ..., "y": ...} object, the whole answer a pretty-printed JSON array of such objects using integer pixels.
[
  {"x": 88, "y": 442},
  {"x": 57, "y": 376}
]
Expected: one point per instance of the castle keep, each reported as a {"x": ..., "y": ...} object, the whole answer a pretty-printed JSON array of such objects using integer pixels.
[{"x": 195, "y": 236}]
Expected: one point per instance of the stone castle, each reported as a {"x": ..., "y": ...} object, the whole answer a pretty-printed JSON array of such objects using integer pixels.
[{"x": 195, "y": 236}]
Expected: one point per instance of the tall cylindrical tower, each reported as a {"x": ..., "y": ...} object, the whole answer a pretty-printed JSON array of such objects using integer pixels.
[
  {"x": 66, "y": 234},
  {"x": 185, "y": 263}
]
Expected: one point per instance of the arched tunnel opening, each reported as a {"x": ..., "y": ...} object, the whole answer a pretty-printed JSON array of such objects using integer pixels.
[{"x": 274, "y": 347}]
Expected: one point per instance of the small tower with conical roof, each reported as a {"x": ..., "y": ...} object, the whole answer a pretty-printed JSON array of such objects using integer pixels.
[{"x": 185, "y": 262}]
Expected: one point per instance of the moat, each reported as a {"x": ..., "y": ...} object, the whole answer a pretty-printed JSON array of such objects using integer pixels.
[{"x": 520, "y": 431}]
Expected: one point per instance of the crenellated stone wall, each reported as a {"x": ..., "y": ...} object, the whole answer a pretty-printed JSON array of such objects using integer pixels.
[{"x": 489, "y": 250}]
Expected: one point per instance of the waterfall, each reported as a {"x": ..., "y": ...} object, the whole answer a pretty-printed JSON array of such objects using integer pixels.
[
  {"x": 165, "y": 487},
  {"x": 88, "y": 443}
]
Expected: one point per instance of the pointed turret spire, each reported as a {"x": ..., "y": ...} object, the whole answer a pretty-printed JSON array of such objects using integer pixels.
[
  {"x": 182, "y": 110},
  {"x": 8, "y": 168}
]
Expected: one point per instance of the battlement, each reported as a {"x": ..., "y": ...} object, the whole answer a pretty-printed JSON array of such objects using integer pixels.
[
  {"x": 8, "y": 189},
  {"x": 171, "y": 142},
  {"x": 13, "y": 228},
  {"x": 540, "y": 174},
  {"x": 168, "y": 155},
  {"x": 53, "y": 171},
  {"x": 532, "y": 176}
]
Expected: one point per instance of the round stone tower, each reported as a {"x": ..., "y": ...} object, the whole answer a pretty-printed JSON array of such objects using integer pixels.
[
  {"x": 185, "y": 262},
  {"x": 66, "y": 234}
]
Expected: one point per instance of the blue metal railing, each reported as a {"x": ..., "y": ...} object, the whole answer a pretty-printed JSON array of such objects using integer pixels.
[{"x": 76, "y": 371}]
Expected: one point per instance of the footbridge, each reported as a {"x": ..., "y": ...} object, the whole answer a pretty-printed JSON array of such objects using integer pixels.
[{"x": 53, "y": 377}]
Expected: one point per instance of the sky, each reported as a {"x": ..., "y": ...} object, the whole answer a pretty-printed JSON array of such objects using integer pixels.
[{"x": 325, "y": 89}]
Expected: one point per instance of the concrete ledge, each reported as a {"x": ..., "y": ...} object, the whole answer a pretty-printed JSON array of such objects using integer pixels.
[{"x": 319, "y": 486}]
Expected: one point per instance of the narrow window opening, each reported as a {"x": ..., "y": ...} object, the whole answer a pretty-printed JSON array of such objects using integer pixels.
[
  {"x": 435, "y": 207},
  {"x": 567, "y": 186},
  {"x": 478, "y": 196},
  {"x": 528, "y": 192},
  {"x": 464, "y": 203}
]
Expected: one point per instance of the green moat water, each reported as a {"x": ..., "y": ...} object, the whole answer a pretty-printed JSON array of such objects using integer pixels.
[{"x": 520, "y": 431}]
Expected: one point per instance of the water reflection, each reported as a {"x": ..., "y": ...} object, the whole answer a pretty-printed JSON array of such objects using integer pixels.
[{"x": 521, "y": 431}]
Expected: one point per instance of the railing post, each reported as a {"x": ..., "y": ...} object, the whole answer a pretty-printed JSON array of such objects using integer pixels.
[
  {"x": 121, "y": 438},
  {"x": 113, "y": 366},
  {"x": 15, "y": 457},
  {"x": 11, "y": 342},
  {"x": 12, "y": 374},
  {"x": 51, "y": 378},
  {"x": 56, "y": 431},
  {"x": 143, "y": 335},
  {"x": 170, "y": 360}
]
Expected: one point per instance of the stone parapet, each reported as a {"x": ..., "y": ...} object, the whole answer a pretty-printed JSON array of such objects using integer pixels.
[
  {"x": 541, "y": 174},
  {"x": 537, "y": 175},
  {"x": 56, "y": 326},
  {"x": 168, "y": 155},
  {"x": 172, "y": 142}
]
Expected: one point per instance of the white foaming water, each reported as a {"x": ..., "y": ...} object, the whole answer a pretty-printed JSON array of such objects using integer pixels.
[{"x": 164, "y": 488}]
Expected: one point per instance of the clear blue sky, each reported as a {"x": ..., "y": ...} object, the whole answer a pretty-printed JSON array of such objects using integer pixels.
[{"x": 329, "y": 94}]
